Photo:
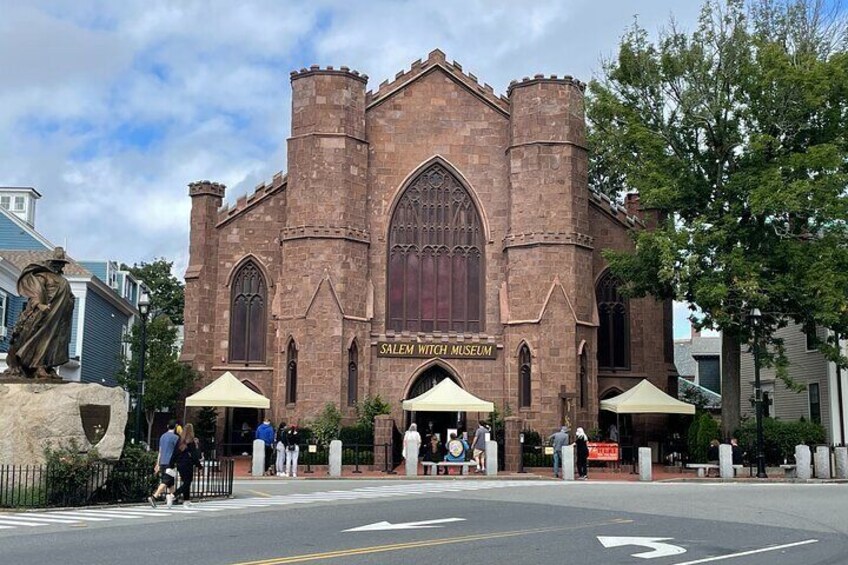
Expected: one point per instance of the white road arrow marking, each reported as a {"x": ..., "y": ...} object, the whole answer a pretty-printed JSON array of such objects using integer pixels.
[
  {"x": 658, "y": 548},
  {"x": 379, "y": 526}
]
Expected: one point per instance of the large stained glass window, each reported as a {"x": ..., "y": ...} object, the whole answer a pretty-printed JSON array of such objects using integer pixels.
[
  {"x": 614, "y": 330},
  {"x": 247, "y": 315}
]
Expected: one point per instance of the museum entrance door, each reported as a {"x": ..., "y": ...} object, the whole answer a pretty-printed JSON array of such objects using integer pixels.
[{"x": 433, "y": 422}]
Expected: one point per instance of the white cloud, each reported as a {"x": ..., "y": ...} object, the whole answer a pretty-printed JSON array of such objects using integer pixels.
[{"x": 111, "y": 108}]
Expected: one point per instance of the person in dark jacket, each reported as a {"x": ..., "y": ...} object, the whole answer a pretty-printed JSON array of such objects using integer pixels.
[
  {"x": 292, "y": 444},
  {"x": 186, "y": 458},
  {"x": 736, "y": 451},
  {"x": 581, "y": 441},
  {"x": 433, "y": 452},
  {"x": 265, "y": 432}
]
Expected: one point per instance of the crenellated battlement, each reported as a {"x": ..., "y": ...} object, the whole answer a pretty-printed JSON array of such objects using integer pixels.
[
  {"x": 247, "y": 201},
  {"x": 614, "y": 209},
  {"x": 540, "y": 78},
  {"x": 437, "y": 59},
  {"x": 206, "y": 188},
  {"x": 328, "y": 70}
]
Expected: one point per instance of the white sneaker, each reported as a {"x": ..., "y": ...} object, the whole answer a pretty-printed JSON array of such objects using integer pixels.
[
  {"x": 187, "y": 504},
  {"x": 294, "y": 475},
  {"x": 284, "y": 474},
  {"x": 169, "y": 500}
]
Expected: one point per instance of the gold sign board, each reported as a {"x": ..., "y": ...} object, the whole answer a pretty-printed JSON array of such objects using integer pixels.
[{"x": 443, "y": 350}]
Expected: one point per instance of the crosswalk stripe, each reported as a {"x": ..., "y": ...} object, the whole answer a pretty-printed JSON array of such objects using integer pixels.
[
  {"x": 39, "y": 519},
  {"x": 108, "y": 514},
  {"x": 16, "y": 523},
  {"x": 77, "y": 516}
]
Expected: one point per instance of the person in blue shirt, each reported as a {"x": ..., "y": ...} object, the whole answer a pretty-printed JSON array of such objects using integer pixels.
[
  {"x": 457, "y": 450},
  {"x": 167, "y": 474},
  {"x": 265, "y": 432}
]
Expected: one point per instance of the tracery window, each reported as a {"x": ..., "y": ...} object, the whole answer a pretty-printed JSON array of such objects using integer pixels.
[
  {"x": 583, "y": 378},
  {"x": 435, "y": 264},
  {"x": 247, "y": 315},
  {"x": 524, "y": 377},
  {"x": 614, "y": 330},
  {"x": 291, "y": 373},
  {"x": 352, "y": 374}
]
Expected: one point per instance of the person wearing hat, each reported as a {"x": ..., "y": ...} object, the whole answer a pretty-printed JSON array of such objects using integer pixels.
[
  {"x": 558, "y": 440},
  {"x": 42, "y": 333}
]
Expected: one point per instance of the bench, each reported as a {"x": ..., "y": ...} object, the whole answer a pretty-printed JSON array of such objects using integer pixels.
[
  {"x": 447, "y": 464},
  {"x": 788, "y": 471},
  {"x": 705, "y": 468}
]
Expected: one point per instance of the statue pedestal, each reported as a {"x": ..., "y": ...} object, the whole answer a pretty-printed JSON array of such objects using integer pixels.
[{"x": 36, "y": 414}]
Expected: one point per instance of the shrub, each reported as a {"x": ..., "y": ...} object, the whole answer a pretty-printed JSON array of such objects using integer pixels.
[
  {"x": 369, "y": 408},
  {"x": 780, "y": 437},
  {"x": 325, "y": 428},
  {"x": 701, "y": 432},
  {"x": 70, "y": 474}
]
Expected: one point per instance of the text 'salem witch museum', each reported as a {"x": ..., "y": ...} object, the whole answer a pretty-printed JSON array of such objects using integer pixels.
[{"x": 429, "y": 229}]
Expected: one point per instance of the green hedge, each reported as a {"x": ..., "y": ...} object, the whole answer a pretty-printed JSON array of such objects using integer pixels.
[
  {"x": 780, "y": 437},
  {"x": 702, "y": 431}
]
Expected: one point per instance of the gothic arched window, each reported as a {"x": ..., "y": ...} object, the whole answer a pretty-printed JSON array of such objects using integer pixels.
[
  {"x": 291, "y": 373},
  {"x": 583, "y": 378},
  {"x": 352, "y": 374},
  {"x": 247, "y": 315},
  {"x": 614, "y": 329},
  {"x": 524, "y": 376},
  {"x": 435, "y": 264}
]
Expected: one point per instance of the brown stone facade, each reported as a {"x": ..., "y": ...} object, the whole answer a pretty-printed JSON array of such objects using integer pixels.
[{"x": 320, "y": 234}]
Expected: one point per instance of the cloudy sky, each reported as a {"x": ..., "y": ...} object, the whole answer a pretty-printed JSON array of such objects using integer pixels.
[{"x": 110, "y": 109}]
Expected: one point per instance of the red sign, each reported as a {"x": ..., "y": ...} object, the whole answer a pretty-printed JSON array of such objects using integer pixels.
[{"x": 603, "y": 451}]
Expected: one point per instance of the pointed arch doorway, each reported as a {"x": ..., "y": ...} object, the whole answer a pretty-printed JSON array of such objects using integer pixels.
[{"x": 434, "y": 422}]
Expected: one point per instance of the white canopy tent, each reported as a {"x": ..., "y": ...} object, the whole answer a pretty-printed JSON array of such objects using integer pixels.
[
  {"x": 447, "y": 396},
  {"x": 645, "y": 398},
  {"x": 227, "y": 391}
]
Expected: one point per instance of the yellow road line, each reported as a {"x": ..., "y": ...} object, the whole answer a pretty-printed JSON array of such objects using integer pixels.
[
  {"x": 421, "y": 543},
  {"x": 260, "y": 493}
]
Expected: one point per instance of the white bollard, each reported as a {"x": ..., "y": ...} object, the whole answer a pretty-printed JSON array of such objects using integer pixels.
[
  {"x": 645, "y": 469},
  {"x": 802, "y": 462},
  {"x": 336, "y": 458},
  {"x": 725, "y": 461},
  {"x": 822, "y": 462},
  {"x": 841, "y": 456},
  {"x": 491, "y": 458},
  {"x": 567, "y": 461},
  {"x": 410, "y": 448},
  {"x": 258, "y": 467}
]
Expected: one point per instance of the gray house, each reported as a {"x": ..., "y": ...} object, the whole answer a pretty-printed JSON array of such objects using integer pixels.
[{"x": 819, "y": 402}]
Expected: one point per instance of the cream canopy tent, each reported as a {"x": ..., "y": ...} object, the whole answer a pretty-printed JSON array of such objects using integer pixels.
[
  {"x": 447, "y": 396},
  {"x": 645, "y": 398},
  {"x": 228, "y": 391}
]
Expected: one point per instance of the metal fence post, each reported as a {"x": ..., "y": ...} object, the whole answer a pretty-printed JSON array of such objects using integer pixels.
[{"x": 356, "y": 458}]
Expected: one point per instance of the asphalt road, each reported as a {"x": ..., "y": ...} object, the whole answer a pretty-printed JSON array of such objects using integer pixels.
[{"x": 465, "y": 522}]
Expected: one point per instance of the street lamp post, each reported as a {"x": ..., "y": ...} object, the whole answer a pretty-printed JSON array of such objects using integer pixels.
[
  {"x": 143, "y": 309},
  {"x": 756, "y": 319}
]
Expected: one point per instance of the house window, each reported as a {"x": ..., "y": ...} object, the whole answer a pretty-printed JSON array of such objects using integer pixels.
[
  {"x": 583, "y": 379},
  {"x": 291, "y": 373},
  {"x": 614, "y": 330},
  {"x": 811, "y": 339},
  {"x": 815, "y": 402},
  {"x": 524, "y": 377},
  {"x": 352, "y": 374},
  {"x": 435, "y": 263},
  {"x": 4, "y": 301},
  {"x": 709, "y": 373},
  {"x": 19, "y": 204},
  {"x": 5, "y": 202},
  {"x": 247, "y": 315}
]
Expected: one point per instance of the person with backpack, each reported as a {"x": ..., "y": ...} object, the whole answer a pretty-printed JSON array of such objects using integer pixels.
[
  {"x": 186, "y": 459},
  {"x": 292, "y": 445}
]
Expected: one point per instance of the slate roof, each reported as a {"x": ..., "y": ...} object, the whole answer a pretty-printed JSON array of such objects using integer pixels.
[
  {"x": 704, "y": 346},
  {"x": 683, "y": 359},
  {"x": 21, "y": 259}
]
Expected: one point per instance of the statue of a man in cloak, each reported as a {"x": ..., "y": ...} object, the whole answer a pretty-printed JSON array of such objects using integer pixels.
[{"x": 42, "y": 333}]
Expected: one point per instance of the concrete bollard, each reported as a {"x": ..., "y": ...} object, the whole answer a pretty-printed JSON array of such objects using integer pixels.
[
  {"x": 841, "y": 456},
  {"x": 725, "y": 461},
  {"x": 567, "y": 463},
  {"x": 802, "y": 462},
  {"x": 491, "y": 458},
  {"x": 645, "y": 469},
  {"x": 822, "y": 462},
  {"x": 258, "y": 467},
  {"x": 335, "y": 458},
  {"x": 410, "y": 449}
]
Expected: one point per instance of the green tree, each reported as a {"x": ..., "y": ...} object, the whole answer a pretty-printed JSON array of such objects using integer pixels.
[
  {"x": 167, "y": 293},
  {"x": 368, "y": 409},
  {"x": 735, "y": 136},
  {"x": 326, "y": 426},
  {"x": 165, "y": 378}
]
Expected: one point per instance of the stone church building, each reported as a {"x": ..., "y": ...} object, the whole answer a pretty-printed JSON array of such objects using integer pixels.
[{"x": 427, "y": 229}]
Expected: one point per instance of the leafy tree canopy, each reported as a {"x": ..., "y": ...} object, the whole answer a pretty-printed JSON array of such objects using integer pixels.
[{"x": 167, "y": 293}]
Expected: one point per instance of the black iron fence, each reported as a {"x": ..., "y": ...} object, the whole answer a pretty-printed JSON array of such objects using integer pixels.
[
  {"x": 537, "y": 456},
  {"x": 40, "y": 486}
]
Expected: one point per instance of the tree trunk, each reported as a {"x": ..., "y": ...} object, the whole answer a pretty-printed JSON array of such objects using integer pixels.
[{"x": 730, "y": 369}]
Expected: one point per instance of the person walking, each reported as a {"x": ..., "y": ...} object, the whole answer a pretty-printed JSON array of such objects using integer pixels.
[
  {"x": 479, "y": 446},
  {"x": 265, "y": 432},
  {"x": 558, "y": 440},
  {"x": 167, "y": 474},
  {"x": 292, "y": 450},
  {"x": 581, "y": 441},
  {"x": 280, "y": 446},
  {"x": 186, "y": 459}
]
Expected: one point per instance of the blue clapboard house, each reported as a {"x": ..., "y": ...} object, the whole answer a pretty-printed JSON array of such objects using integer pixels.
[{"x": 106, "y": 296}]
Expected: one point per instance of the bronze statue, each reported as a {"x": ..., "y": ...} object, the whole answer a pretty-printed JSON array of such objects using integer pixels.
[{"x": 42, "y": 333}]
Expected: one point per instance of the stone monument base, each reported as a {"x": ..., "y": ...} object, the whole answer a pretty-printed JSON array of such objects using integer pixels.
[{"x": 38, "y": 414}]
